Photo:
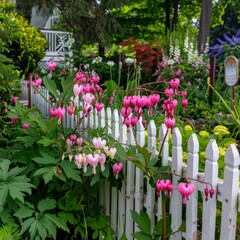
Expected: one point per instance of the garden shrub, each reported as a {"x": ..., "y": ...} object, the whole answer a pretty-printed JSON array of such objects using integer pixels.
[{"x": 20, "y": 41}]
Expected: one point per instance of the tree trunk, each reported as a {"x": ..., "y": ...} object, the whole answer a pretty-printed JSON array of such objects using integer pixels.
[
  {"x": 167, "y": 15},
  {"x": 205, "y": 24},
  {"x": 175, "y": 14},
  {"x": 25, "y": 8}
]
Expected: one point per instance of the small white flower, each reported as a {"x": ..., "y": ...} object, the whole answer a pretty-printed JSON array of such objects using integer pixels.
[
  {"x": 110, "y": 63},
  {"x": 86, "y": 66},
  {"x": 129, "y": 60},
  {"x": 49, "y": 76},
  {"x": 75, "y": 69},
  {"x": 97, "y": 60},
  {"x": 170, "y": 62}
]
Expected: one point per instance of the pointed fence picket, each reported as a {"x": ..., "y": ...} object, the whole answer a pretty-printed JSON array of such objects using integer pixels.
[{"x": 134, "y": 196}]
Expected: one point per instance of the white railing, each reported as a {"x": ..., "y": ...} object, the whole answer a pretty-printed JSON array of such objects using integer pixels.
[
  {"x": 57, "y": 48},
  {"x": 133, "y": 195},
  {"x": 52, "y": 20}
]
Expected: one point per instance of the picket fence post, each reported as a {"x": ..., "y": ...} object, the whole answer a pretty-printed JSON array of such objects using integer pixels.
[
  {"x": 122, "y": 193},
  {"x": 114, "y": 192},
  {"x": 164, "y": 147},
  {"x": 130, "y": 186},
  {"x": 230, "y": 194},
  {"x": 150, "y": 198},
  {"x": 176, "y": 198},
  {"x": 140, "y": 138},
  {"x": 210, "y": 176},
  {"x": 192, "y": 172}
]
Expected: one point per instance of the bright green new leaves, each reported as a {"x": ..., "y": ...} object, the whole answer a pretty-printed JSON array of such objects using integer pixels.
[{"x": 12, "y": 183}]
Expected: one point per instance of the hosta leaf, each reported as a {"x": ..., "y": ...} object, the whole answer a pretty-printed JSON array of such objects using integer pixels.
[
  {"x": 24, "y": 212},
  {"x": 46, "y": 204},
  {"x": 71, "y": 170}
]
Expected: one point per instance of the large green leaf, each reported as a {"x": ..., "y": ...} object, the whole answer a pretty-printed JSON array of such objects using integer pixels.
[
  {"x": 12, "y": 184},
  {"x": 71, "y": 170},
  {"x": 45, "y": 159},
  {"x": 57, "y": 222},
  {"x": 51, "y": 86},
  {"x": 39, "y": 120},
  {"x": 27, "y": 140},
  {"x": 142, "y": 220},
  {"x": 24, "y": 212},
  {"x": 46, "y": 204}
]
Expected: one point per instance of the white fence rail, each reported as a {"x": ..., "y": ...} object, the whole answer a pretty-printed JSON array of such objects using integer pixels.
[{"x": 134, "y": 196}]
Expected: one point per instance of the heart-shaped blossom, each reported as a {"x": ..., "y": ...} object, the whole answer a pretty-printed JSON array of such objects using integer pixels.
[
  {"x": 185, "y": 189},
  {"x": 117, "y": 167}
]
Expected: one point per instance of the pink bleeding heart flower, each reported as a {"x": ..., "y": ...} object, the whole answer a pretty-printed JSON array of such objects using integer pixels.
[
  {"x": 79, "y": 142},
  {"x": 184, "y": 94},
  {"x": 14, "y": 119},
  {"x": 99, "y": 143},
  {"x": 144, "y": 122},
  {"x": 185, "y": 189},
  {"x": 155, "y": 98},
  {"x": 169, "y": 122},
  {"x": 141, "y": 101},
  {"x": 134, "y": 121},
  {"x": 164, "y": 185},
  {"x": 88, "y": 98},
  {"x": 228, "y": 116},
  {"x": 184, "y": 103},
  {"x": 77, "y": 90},
  {"x": 70, "y": 110},
  {"x": 111, "y": 152},
  {"x": 73, "y": 137},
  {"x": 95, "y": 79},
  {"x": 99, "y": 106},
  {"x": 51, "y": 66},
  {"x": 126, "y": 112},
  {"x": 93, "y": 161},
  {"x": 174, "y": 103},
  {"x": 60, "y": 113},
  {"x": 127, "y": 122},
  {"x": 174, "y": 83},
  {"x": 117, "y": 167},
  {"x": 14, "y": 100},
  {"x": 126, "y": 101},
  {"x": 87, "y": 88},
  {"x": 102, "y": 160},
  {"x": 53, "y": 112},
  {"x": 133, "y": 100},
  {"x": 169, "y": 92},
  {"x": 25, "y": 127}
]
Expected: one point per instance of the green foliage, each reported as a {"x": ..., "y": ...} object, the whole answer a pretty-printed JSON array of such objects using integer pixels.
[
  {"x": 21, "y": 42},
  {"x": 9, "y": 79},
  {"x": 9, "y": 232}
]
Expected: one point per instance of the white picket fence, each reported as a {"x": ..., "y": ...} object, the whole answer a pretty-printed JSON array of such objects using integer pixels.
[{"x": 135, "y": 195}]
